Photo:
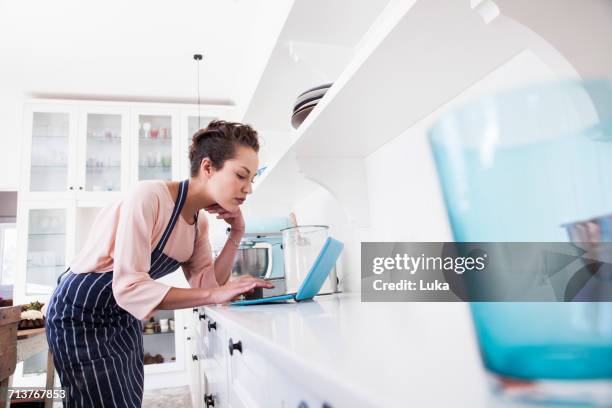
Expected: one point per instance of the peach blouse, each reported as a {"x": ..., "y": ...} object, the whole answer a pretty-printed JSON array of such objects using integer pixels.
[{"x": 123, "y": 237}]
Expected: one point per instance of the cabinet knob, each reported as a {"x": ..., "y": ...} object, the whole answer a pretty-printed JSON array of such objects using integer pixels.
[
  {"x": 209, "y": 400},
  {"x": 212, "y": 325},
  {"x": 194, "y": 357},
  {"x": 234, "y": 346},
  {"x": 80, "y": 187},
  {"x": 195, "y": 310},
  {"x": 302, "y": 404},
  {"x": 188, "y": 337},
  {"x": 202, "y": 316},
  {"x": 71, "y": 188}
]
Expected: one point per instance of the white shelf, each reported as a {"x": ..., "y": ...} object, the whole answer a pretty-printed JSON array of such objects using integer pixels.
[{"x": 417, "y": 57}]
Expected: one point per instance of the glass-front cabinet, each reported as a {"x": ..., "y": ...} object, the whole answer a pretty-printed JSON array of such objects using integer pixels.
[
  {"x": 103, "y": 151},
  {"x": 45, "y": 245},
  {"x": 75, "y": 152},
  {"x": 77, "y": 158},
  {"x": 49, "y": 150},
  {"x": 154, "y": 146}
]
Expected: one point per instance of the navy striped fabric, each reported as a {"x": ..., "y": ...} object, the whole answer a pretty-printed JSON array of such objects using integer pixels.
[{"x": 97, "y": 346}]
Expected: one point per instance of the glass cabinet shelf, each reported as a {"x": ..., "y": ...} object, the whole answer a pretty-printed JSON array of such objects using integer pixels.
[
  {"x": 103, "y": 153},
  {"x": 154, "y": 147},
  {"x": 46, "y": 249},
  {"x": 50, "y": 150}
]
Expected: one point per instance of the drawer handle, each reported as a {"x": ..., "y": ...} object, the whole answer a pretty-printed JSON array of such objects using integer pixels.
[
  {"x": 195, "y": 310},
  {"x": 212, "y": 325},
  {"x": 209, "y": 400},
  {"x": 194, "y": 357},
  {"x": 202, "y": 316},
  {"x": 234, "y": 346}
]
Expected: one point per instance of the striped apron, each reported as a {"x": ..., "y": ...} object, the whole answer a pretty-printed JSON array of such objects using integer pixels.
[{"x": 97, "y": 346}]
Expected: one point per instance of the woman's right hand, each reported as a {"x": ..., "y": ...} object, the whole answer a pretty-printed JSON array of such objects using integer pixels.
[{"x": 231, "y": 290}]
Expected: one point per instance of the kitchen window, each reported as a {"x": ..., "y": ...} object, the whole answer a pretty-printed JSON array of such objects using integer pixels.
[{"x": 8, "y": 249}]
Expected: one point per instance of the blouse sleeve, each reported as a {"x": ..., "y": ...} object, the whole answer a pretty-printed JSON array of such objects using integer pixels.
[
  {"x": 133, "y": 288},
  {"x": 199, "y": 269}
]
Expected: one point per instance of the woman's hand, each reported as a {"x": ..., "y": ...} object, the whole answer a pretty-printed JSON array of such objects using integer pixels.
[
  {"x": 231, "y": 290},
  {"x": 234, "y": 219}
]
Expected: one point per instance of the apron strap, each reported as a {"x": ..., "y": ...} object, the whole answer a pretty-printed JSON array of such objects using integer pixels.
[{"x": 178, "y": 206}]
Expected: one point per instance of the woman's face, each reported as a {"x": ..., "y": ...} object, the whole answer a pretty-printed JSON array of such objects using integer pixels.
[{"x": 230, "y": 185}]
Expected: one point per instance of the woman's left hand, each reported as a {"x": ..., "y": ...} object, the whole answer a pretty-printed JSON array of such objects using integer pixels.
[{"x": 233, "y": 218}]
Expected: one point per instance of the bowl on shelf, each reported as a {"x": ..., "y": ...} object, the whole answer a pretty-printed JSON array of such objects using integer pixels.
[{"x": 306, "y": 102}]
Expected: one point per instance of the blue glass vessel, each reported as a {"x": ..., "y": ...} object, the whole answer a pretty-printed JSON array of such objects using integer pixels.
[{"x": 526, "y": 166}]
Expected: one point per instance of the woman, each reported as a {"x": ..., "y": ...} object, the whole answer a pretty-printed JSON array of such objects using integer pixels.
[{"x": 93, "y": 326}]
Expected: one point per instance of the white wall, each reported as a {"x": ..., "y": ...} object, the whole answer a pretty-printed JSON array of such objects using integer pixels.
[
  {"x": 404, "y": 195},
  {"x": 11, "y": 106}
]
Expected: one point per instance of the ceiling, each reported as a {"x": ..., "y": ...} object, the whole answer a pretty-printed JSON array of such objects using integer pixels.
[{"x": 132, "y": 50}]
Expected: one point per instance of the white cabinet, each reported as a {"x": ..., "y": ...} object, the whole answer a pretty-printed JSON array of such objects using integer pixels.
[
  {"x": 49, "y": 165},
  {"x": 209, "y": 379},
  {"x": 74, "y": 152},
  {"x": 248, "y": 375},
  {"x": 154, "y": 144},
  {"x": 45, "y": 243},
  {"x": 234, "y": 371},
  {"x": 78, "y": 157},
  {"x": 102, "y": 151},
  {"x": 91, "y": 151},
  {"x": 169, "y": 345}
]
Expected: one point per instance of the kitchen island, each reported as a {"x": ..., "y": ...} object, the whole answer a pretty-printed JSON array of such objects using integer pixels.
[{"x": 336, "y": 351}]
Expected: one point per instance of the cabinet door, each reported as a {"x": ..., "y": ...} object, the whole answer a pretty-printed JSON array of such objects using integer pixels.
[
  {"x": 191, "y": 122},
  {"x": 217, "y": 367},
  {"x": 103, "y": 152},
  {"x": 163, "y": 348},
  {"x": 45, "y": 246},
  {"x": 49, "y": 152},
  {"x": 196, "y": 384},
  {"x": 154, "y": 144},
  {"x": 248, "y": 377}
]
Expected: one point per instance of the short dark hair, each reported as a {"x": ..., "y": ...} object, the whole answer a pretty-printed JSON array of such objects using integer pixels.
[{"x": 218, "y": 142}]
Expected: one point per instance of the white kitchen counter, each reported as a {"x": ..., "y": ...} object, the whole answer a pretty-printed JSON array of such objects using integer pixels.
[{"x": 385, "y": 354}]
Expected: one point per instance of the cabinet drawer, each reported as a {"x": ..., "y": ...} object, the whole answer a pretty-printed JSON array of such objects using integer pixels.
[
  {"x": 213, "y": 377},
  {"x": 248, "y": 377}
]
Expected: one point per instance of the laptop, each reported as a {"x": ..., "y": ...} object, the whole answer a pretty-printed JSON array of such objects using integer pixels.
[{"x": 311, "y": 285}]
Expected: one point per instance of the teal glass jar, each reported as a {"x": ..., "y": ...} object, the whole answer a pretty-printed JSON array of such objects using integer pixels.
[{"x": 535, "y": 165}]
